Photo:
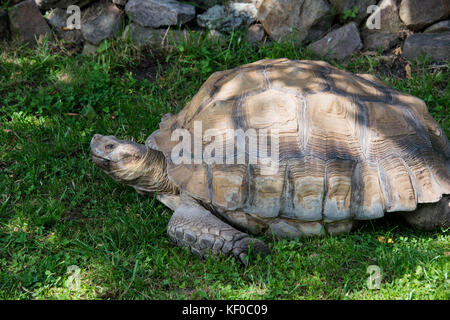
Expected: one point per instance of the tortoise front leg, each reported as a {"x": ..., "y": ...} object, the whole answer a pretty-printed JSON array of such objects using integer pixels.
[
  {"x": 195, "y": 227},
  {"x": 430, "y": 216}
]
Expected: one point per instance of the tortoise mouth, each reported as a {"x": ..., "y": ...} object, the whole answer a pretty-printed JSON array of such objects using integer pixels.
[{"x": 100, "y": 161}]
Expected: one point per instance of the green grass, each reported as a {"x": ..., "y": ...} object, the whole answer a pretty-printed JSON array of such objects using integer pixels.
[{"x": 58, "y": 210}]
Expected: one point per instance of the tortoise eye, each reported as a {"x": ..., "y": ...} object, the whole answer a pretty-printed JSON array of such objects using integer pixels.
[{"x": 109, "y": 146}]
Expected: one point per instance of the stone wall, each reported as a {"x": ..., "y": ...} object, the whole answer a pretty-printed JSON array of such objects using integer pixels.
[{"x": 336, "y": 28}]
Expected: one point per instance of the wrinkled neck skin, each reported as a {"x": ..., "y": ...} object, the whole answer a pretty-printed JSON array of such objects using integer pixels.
[{"x": 151, "y": 175}]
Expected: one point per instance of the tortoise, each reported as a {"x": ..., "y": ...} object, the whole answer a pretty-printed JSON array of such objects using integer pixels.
[{"x": 349, "y": 148}]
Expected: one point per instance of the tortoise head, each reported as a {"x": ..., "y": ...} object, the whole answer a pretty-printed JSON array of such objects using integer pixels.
[{"x": 124, "y": 161}]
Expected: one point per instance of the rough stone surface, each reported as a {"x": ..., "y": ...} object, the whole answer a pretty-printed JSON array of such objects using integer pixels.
[
  {"x": 157, "y": 13},
  {"x": 89, "y": 49},
  {"x": 101, "y": 21},
  {"x": 380, "y": 40},
  {"x": 227, "y": 18},
  {"x": 419, "y": 14},
  {"x": 248, "y": 10},
  {"x": 389, "y": 18},
  {"x": 341, "y": 6},
  {"x": 390, "y": 26},
  {"x": 256, "y": 3},
  {"x": 120, "y": 2},
  {"x": 26, "y": 22},
  {"x": 51, "y": 4},
  {"x": 212, "y": 3},
  {"x": 141, "y": 36},
  {"x": 436, "y": 45},
  {"x": 212, "y": 17},
  {"x": 256, "y": 33},
  {"x": 340, "y": 43},
  {"x": 3, "y": 24},
  {"x": 57, "y": 18},
  {"x": 443, "y": 26},
  {"x": 308, "y": 20}
]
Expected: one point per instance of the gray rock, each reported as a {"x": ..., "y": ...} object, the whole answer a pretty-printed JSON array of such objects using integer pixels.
[
  {"x": 436, "y": 45},
  {"x": 443, "y": 26},
  {"x": 157, "y": 13},
  {"x": 162, "y": 37},
  {"x": 48, "y": 4},
  {"x": 63, "y": 4},
  {"x": 303, "y": 20},
  {"x": 227, "y": 18},
  {"x": 89, "y": 49},
  {"x": 380, "y": 40},
  {"x": 341, "y": 6},
  {"x": 244, "y": 9},
  {"x": 256, "y": 33},
  {"x": 212, "y": 3},
  {"x": 57, "y": 19},
  {"x": 100, "y": 21},
  {"x": 419, "y": 14},
  {"x": 390, "y": 26},
  {"x": 256, "y": 3},
  {"x": 26, "y": 22},
  {"x": 389, "y": 19},
  {"x": 340, "y": 43},
  {"x": 143, "y": 36},
  {"x": 215, "y": 17},
  {"x": 3, "y": 24},
  {"x": 120, "y": 2}
]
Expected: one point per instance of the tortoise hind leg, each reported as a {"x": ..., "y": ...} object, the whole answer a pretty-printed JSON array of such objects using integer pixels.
[
  {"x": 430, "y": 216},
  {"x": 195, "y": 227}
]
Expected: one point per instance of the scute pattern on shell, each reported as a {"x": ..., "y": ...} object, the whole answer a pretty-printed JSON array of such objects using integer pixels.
[{"x": 350, "y": 147}]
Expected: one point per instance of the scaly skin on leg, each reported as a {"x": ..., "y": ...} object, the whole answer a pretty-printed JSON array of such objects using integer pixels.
[
  {"x": 195, "y": 227},
  {"x": 430, "y": 216}
]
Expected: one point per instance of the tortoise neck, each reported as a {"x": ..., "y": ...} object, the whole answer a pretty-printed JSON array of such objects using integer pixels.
[{"x": 154, "y": 175}]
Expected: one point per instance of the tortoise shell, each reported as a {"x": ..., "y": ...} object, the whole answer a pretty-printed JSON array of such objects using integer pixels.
[{"x": 349, "y": 146}]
